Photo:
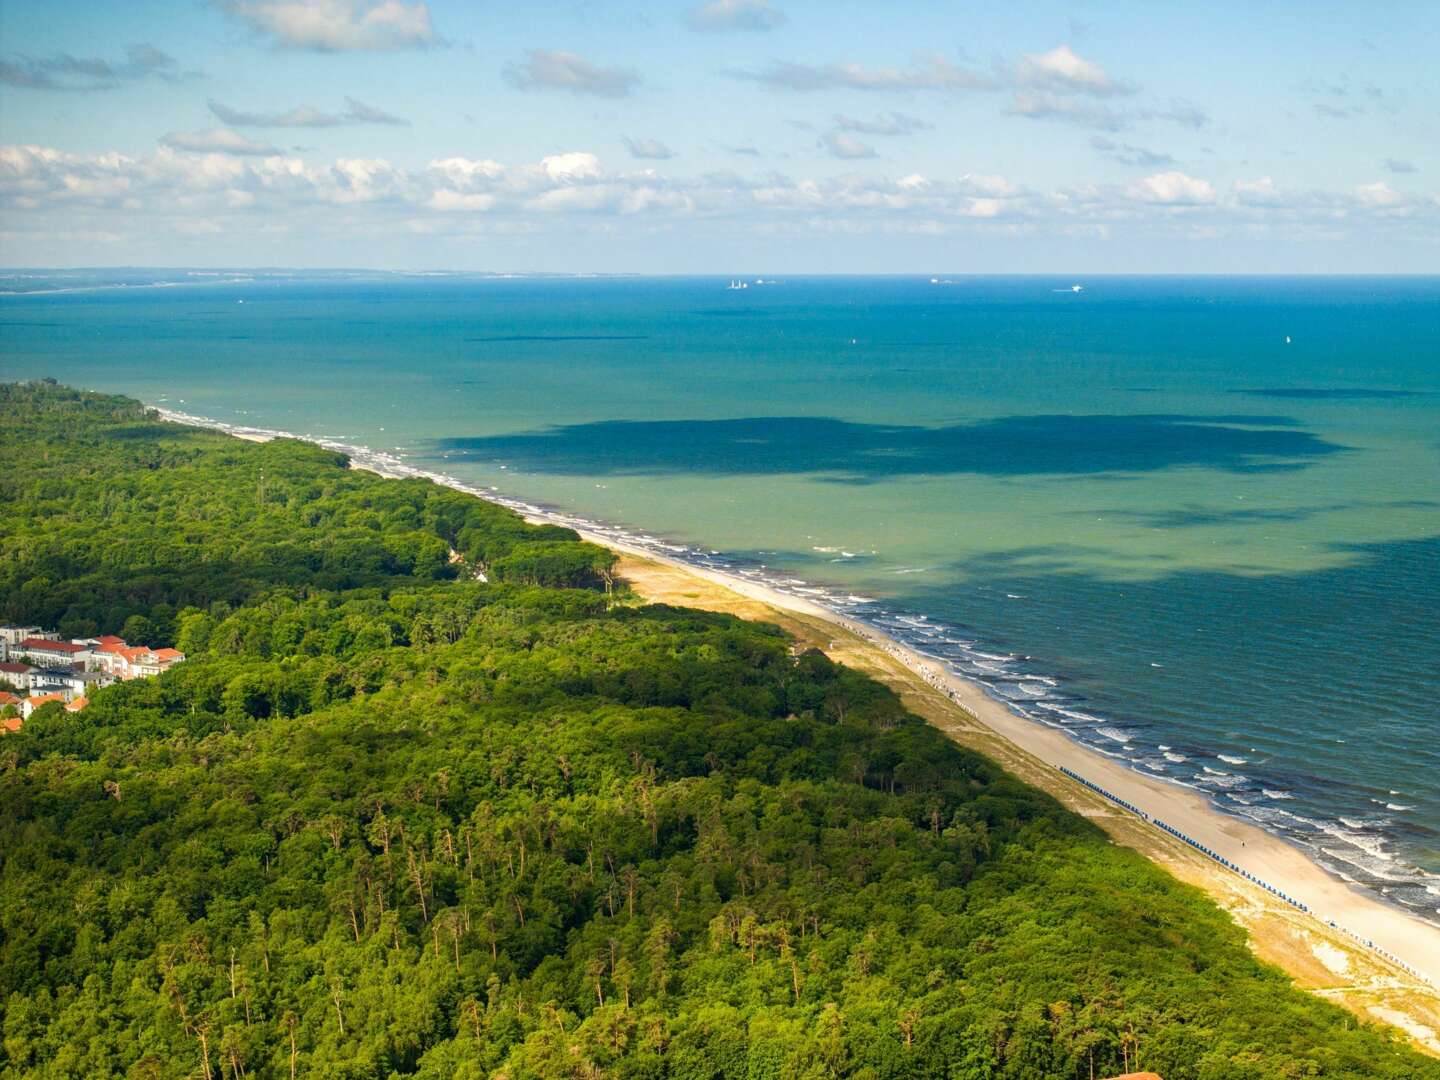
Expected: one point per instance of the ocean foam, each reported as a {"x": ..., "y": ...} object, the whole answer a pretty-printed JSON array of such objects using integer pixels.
[{"x": 1115, "y": 734}]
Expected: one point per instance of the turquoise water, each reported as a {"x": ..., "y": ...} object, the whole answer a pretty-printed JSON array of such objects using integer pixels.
[{"x": 1135, "y": 511}]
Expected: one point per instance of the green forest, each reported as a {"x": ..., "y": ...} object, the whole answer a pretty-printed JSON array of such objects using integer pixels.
[{"x": 391, "y": 820}]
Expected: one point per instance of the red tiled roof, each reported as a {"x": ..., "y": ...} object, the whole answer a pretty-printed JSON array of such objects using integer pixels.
[
  {"x": 7, "y": 698},
  {"x": 76, "y": 705},
  {"x": 36, "y": 700},
  {"x": 169, "y": 654},
  {"x": 13, "y": 667},
  {"x": 134, "y": 651},
  {"x": 12, "y": 723},
  {"x": 110, "y": 639},
  {"x": 116, "y": 646},
  {"x": 50, "y": 646}
]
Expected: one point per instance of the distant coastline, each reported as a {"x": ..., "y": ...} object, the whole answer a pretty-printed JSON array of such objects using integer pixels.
[{"x": 1387, "y": 927}]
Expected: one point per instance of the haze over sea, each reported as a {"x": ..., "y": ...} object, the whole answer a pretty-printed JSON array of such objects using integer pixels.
[{"x": 1196, "y": 522}]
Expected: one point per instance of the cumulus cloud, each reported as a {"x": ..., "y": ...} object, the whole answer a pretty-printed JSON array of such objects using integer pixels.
[
  {"x": 846, "y": 146},
  {"x": 1378, "y": 194},
  {"x": 1057, "y": 85},
  {"x": 893, "y": 124},
  {"x": 88, "y": 73},
  {"x": 729, "y": 15},
  {"x": 1043, "y": 105},
  {"x": 1173, "y": 188},
  {"x": 337, "y": 25},
  {"x": 1127, "y": 154},
  {"x": 550, "y": 69},
  {"x": 576, "y": 165},
  {"x": 648, "y": 149},
  {"x": 1184, "y": 113},
  {"x": 303, "y": 116},
  {"x": 1258, "y": 192},
  {"x": 1062, "y": 70},
  {"x": 45, "y": 191},
  {"x": 1062, "y": 85},
  {"x": 217, "y": 141},
  {"x": 1395, "y": 165},
  {"x": 933, "y": 73}
]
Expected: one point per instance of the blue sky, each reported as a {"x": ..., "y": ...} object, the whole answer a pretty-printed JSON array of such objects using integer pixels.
[{"x": 745, "y": 136}]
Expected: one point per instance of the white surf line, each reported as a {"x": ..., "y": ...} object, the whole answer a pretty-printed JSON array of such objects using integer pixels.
[{"x": 1247, "y": 875}]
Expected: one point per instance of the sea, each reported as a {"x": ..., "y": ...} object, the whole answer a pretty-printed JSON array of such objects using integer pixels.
[{"x": 1192, "y": 522}]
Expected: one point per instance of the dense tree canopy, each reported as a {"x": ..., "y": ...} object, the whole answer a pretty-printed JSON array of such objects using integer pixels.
[
  {"x": 111, "y": 516},
  {"x": 389, "y": 821}
]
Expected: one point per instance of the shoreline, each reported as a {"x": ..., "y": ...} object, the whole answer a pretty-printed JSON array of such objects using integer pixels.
[{"x": 1344, "y": 920}]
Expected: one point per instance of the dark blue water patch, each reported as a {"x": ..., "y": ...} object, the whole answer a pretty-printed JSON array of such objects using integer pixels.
[
  {"x": 1201, "y": 516},
  {"x": 865, "y": 453},
  {"x": 560, "y": 337},
  {"x": 1306, "y": 393}
]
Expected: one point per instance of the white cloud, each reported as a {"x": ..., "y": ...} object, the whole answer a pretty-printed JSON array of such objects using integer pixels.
[
  {"x": 337, "y": 25},
  {"x": 576, "y": 165},
  {"x": 934, "y": 73},
  {"x": 1259, "y": 192},
  {"x": 87, "y": 73},
  {"x": 1379, "y": 194},
  {"x": 724, "y": 15},
  {"x": 981, "y": 184},
  {"x": 1173, "y": 188},
  {"x": 463, "y": 173},
  {"x": 474, "y": 202},
  {"x": 648, "y": 149},
  {"x": 893, "y": 124},
  {"x": 548, "y": 69},
  {"x": 1061, "y": 69},
  {"x": 217, "y": 141},
  {"x": 1043, "y": 105},
  {"x": 1127, "y": 154},
  {"x": 846, "y": 146},
  {"x": 303, "y": 116},
  {"x": 46, "y": 191}
]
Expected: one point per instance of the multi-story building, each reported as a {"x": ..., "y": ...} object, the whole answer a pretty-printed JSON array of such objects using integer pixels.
[
  {"x": 114, "y": 657},
  {"x": 46, "y": 652},
  {"x": 18, "y": 674},
  {"x": 73, "y": 684}
]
